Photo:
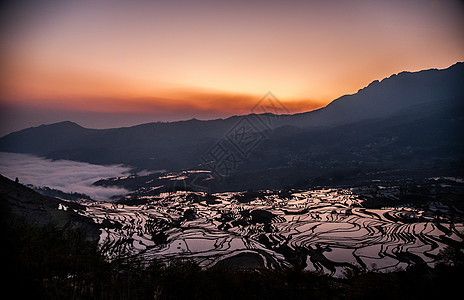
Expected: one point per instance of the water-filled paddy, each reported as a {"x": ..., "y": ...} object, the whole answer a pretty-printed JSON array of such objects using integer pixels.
[{"x": 326, "y": 230}]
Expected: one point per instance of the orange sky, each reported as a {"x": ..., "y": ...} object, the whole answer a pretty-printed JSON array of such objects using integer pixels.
[{"x": 167, "y": 60}]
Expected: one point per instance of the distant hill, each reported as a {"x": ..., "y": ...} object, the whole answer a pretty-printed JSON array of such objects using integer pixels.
[{"x": 411, "y": 121}]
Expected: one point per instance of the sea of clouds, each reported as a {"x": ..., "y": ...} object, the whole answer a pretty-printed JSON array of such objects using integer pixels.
[{"x": 64, "y": 175}]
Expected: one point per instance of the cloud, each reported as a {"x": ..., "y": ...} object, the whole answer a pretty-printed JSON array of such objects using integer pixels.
[{"x": 65, "y": 175}]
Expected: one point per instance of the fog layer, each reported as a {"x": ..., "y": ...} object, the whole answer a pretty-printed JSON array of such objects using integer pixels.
[{"x": 65, "y": 175}]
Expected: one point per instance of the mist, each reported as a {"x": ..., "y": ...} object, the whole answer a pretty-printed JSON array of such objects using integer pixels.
[{"x": 64, "y": 175}]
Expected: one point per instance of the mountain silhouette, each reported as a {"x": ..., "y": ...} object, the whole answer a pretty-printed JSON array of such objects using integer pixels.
[
  {"x": 389, "y": 96},
  {"x": 411, "y": 121}
]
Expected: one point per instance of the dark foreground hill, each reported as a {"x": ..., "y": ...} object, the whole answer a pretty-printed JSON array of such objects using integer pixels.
[{"x": 22, "y": 203}]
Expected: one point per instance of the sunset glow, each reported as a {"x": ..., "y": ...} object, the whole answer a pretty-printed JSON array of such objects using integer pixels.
[{"x": 90, "y": 61}]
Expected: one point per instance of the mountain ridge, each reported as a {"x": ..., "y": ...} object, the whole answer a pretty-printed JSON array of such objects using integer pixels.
[
  {"x": 458, "y": 67},
  {"x": 413, "y": 120},
  {"x": 403, "y": 89}
]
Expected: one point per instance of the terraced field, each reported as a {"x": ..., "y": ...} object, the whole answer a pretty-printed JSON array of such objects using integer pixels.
[{"x": 326, "y": 230}]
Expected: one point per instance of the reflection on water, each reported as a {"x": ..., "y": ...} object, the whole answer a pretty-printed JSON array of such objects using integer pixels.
[{"x": 325, "y": 230}]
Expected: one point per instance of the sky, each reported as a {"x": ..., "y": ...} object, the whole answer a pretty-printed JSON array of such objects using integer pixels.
[{"x": 112, "y": 63}]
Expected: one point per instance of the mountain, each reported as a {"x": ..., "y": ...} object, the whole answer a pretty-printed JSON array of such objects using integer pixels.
[
  {"x": 153, "y": 145},
  {"x": 407, "y": 124},
  {"x": 41, "y": 139},
  {"x": 389, "y": 96}
]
